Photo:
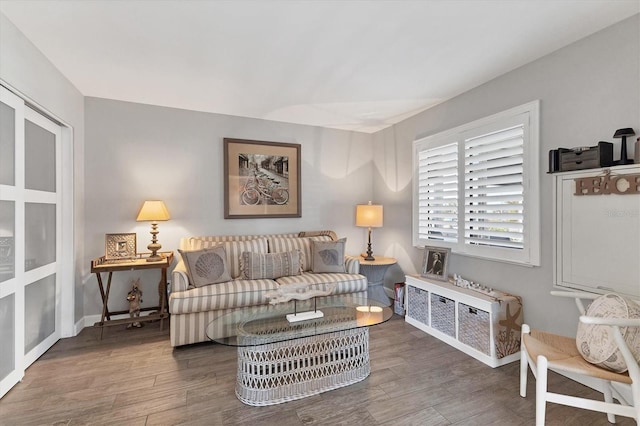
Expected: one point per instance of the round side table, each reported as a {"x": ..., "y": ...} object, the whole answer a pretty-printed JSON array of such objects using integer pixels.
[{"x": 375, "y": 271}]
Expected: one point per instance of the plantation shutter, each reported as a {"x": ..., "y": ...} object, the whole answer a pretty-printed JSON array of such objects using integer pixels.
[
  {"x": 438, "y": 193},
  {"x": 493, "y": 189}
]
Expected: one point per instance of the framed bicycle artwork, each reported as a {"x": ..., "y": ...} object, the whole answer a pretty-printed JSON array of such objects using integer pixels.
[{"x": 261, "y": 179}]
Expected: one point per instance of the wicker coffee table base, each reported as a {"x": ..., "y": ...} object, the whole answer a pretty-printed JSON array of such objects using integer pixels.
[{"x": 285, "y": 371}]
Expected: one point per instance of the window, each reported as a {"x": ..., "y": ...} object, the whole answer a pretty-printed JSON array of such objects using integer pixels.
[{"x": 477, "y": 188}]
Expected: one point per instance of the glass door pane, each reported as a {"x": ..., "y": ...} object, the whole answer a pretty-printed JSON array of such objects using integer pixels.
[
  {"x": 40, "y": 158},
  {"x": 40, "y": 311},
  {"x": 7, "y": 335},
  {"x": 7, "y": 243},
  {"x": 40, "y": 235},
  {"x": 7, "y": 144}
]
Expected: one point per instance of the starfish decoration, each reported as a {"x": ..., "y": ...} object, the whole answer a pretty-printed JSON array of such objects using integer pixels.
[{"x": 510, "y": 321}]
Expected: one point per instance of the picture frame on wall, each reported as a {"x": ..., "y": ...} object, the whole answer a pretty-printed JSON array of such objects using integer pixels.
[
  {"x": 261, "y": 179},
  {"x": 120, "y": 246},
  {"x": 435, "y": 263}
]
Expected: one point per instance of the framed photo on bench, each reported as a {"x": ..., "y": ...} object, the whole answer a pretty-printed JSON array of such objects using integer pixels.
[
  {"x": 261, "y": 179},
  {"x": 435, "y": 263}
]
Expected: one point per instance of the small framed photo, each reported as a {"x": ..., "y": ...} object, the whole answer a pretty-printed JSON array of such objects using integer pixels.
[
  {"x": 435, "y": 263},
  {"x": 120, "y": 246}
]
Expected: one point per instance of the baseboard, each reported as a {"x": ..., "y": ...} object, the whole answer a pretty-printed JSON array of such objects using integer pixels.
[
  {"x": 90, "y": 320},
  {"x": 78, "y": 326}
]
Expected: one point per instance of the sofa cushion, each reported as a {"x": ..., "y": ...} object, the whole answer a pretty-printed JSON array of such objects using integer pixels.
[
  {"x": 595, "y": 342},
  {"x": 345, "y": 283},
  {"x": 328, "y": 256},
  {"x": 206, "y": 266},
  {"x": 279, "y": 245},
  {"x": 230, "y": 294},
  {"x": 270, "y": 265}
]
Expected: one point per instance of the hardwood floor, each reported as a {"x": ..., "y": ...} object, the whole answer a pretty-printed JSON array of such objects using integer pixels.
[{"x": 134, "y": 377}]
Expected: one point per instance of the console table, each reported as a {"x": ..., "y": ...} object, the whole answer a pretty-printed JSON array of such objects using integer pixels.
[
  {"x": 101, "y": 265},
  {"x": 484, "y": 326}
]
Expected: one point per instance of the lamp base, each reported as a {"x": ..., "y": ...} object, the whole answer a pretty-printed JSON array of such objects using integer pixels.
[
  {"x": 369, "y": 249},
  {"x": 623, "y": 162},
  {"x": 155, "y": 258},
  {"x": 623, "y": 153},
  {"x": 154, "y": 247}
]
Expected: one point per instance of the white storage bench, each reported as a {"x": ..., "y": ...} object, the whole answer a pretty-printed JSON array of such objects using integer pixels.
[{"x": 487, "y": 327}]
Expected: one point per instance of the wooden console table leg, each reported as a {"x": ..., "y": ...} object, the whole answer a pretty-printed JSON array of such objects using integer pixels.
[
  {"x": 100, "y": 287},
  {"x": 105, "y": 301},
  {"x": 163, "y": 307}
]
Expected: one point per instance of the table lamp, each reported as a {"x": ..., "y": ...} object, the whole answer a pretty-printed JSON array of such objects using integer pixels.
[
  {"x": 623, "y": 133},
  {"x": 369, "y": 216},
  {"x": 153, "y": 211}
]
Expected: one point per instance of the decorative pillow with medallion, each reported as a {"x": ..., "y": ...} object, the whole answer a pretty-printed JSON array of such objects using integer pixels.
[
  {"x": 206, "y": 266},
  {"x": 328, "y": 256},
  {"x": 595, "y": 342}
]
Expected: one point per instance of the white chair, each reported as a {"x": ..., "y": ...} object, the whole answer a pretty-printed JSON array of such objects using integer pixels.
[{"x": 544, "y": 351}]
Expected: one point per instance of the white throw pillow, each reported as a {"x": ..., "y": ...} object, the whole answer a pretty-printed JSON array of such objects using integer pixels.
[{"x": 595, "y": 342}]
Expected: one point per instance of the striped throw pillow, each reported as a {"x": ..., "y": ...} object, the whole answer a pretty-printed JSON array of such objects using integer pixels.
[{"x": 255, "y": 266}]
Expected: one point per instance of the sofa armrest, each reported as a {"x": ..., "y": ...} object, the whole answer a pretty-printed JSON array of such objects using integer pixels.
[
  {"x": 352, "y": 264},
  {"x": 179, "y": 277}
]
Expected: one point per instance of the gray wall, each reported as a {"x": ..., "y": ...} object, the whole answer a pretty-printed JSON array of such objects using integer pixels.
[
  {"x": 587, "y": 91},
  {"x": 26, "y": 70},
  {"x": 136, "y": 152}
]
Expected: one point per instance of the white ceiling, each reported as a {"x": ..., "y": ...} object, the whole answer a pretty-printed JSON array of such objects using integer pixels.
[{"x": 356, "y": 65}]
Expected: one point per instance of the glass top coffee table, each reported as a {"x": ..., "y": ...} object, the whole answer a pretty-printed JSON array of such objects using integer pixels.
[{"x": 280, "y": 361}]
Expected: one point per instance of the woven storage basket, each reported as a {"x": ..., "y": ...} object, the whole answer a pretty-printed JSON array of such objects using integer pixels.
[
  {"x": 418, "y": 304},
  {"x": 443, "y": 314},
  {"x": 474, "y": 328}
]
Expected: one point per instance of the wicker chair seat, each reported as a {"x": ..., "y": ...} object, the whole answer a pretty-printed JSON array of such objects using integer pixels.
[{"x": 562, "y": 354}]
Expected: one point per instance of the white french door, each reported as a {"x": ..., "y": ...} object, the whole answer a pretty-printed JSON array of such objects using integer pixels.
[{"x": 30, "y": 236}]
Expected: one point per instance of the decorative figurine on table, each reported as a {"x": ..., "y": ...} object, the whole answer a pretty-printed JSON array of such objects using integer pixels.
[
  {"x": 286, "y": 293},
  {"x": 297, "y": 292},
  {"x": 134, "y": 297}
]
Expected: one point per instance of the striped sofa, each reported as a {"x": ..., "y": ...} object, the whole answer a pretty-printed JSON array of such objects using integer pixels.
[{"x": 193, "y": 308}]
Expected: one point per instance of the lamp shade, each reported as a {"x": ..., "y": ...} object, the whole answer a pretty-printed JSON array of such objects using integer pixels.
[
  {"x": 369, "y": 215},
  {"x": 628, "y": 131},
  {"x": 154, "y": 210}
]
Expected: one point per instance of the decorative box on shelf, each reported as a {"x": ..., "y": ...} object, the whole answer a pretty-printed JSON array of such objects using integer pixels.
[
  {"x": 563, "y": 159},
  {"x": 485, "y": 325}
]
